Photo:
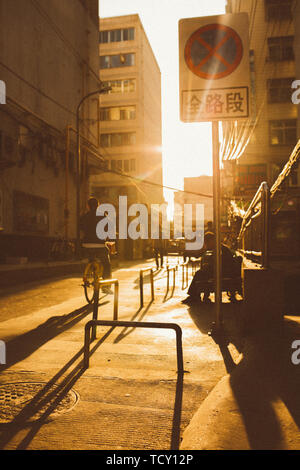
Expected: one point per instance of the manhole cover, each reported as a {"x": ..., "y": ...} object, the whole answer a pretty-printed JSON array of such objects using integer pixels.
[{"x": 21, "y": 397}]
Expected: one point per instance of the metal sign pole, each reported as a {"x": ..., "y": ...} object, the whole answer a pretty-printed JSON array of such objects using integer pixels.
[
  {"x": 214, "y": 83},
  {"x": 217, "y": 226}
]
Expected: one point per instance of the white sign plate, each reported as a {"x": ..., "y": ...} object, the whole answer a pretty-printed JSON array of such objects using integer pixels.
[{"x": 214, "y": 68}]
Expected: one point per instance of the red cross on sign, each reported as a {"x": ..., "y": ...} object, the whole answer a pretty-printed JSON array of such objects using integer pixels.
[{"x": 213, "y": 51}]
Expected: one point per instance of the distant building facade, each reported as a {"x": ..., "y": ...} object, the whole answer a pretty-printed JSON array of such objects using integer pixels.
[
  {"x": 192, "y": 186},
  {"x": 130, "y": 119},
  {"x": 48, "y": 61}
]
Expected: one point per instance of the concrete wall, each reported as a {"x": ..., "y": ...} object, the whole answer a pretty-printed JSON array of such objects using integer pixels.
[
  {"x": 263, "y": 298},
  {"x": 51, "y": 47},
  {"x": 49, "y": 61}
]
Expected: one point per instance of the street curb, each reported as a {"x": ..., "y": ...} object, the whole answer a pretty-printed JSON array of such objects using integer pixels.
[
  {"x": 217, "y": 425},
  {"x": 243, "y": 411},
  {"x": 29, "y": 273}
]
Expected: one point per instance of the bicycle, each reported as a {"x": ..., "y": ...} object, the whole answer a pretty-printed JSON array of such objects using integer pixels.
[
  {"x": 93, "y": 273},
  {"x": 62, "y": 250}
]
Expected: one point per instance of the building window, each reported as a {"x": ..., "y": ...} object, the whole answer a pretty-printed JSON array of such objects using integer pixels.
[
  {"x": 118, "y": 60},
  {"x": 281, "y": 48},
  {"x": 279, "y": 90},
  {"x": 132, "y": 164},
  {"x": 294, "y": 177},
  {"x": 105, "y": 164},
  {"x": 129, "y": 165},
  {"x": 117, "y": 139},
  {"x": 283, "y": 132},
  {"x": 100, "y": 192},
  {"x": 117, "y": 113},
  {"x": 116, "y": 35},
  {"x": 30, "y": 213},
  {"x": 121, "y": 86},
  {"x": 126, "y": 166},
  {"x": 250, "y": 175},
  {"x": 103, "y": 36},
  {"x": 104, "y": 140},
  {"x": 123, "y": 165},
  {"x": 278, "y": 9}
]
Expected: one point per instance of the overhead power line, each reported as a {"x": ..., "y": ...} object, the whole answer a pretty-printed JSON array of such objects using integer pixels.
[
  {"x": 140, "y": 180},
  {"x": 59, "y": 33}
]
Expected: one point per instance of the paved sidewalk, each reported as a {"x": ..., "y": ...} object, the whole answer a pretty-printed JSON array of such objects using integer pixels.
[
  {"x": 243, "y": 394},
  {"x": 131, "y": 396},
  {"x": 257, "y": 406}
]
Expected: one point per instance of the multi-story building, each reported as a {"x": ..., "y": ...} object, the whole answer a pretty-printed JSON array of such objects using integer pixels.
[
  {"x": 48, "y": 62},
  {"x": 192, "y": 187},
  {"x": 130, "y": 119},
  {"x": 273, "y": 123},
  {"x": 270, "y": 134}
]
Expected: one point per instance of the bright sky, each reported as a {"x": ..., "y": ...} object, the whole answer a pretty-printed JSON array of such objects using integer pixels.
[{"x": 186, "y": 146}]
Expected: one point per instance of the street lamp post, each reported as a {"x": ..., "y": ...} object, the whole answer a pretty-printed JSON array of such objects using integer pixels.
[{"x": 97, "y": 92}]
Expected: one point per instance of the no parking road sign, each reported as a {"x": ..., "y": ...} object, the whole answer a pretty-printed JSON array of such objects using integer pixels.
[
  {"x": 214, "y": 68},
  {"x": 213, "y": 51}
]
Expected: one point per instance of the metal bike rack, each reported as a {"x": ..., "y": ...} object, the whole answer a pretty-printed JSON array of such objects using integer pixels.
[
  {"x": 142, "y": 271},
  {"x": 98, "y": 285},
  {"x": 135, "y": 324},
  {"x": 174, "y": 269},
  {"x": 195, "y": 264},
  {"x": 185, "y": 274},
  {"x": 251, "y": 244}
]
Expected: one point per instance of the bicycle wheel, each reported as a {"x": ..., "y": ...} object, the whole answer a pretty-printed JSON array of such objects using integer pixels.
[{"x": 89, "y": 278}]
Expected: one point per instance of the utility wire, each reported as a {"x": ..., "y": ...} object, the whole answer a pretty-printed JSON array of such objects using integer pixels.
[
  {"x": 63, "y": 38},
  {"x": 125, "y": 175},
  {"x": 42, "y": 93}
]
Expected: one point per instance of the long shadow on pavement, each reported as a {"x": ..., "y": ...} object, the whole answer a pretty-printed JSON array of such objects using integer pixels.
[
  {"x": 47, "y": 397},
  {"x": 264, "y": 375},
  {"x": 203, "y": 315},
  {"x": 175, "y": 437},
  {"x": 24, "y": 345},
  {"x": 262, "y": 378},
  {"x": 50, "y": 398},
  {"x": 136, "y": 317}
]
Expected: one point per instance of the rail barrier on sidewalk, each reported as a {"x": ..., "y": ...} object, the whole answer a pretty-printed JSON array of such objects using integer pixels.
[
  {"x": 104, "y": 283},
  {"x": 254, "y": 236},
  {"x": 135, "y": 324},
  {"x": 174, "y": 269},
  {"x": 196, "y": 263},
  {"x": 142, "y": 271},
  {"x": 185, "y": 274}
]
